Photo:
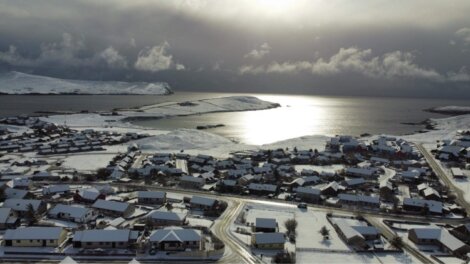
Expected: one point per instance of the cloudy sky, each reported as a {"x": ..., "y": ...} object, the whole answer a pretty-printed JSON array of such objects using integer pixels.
[{"x": 337, "y": 47}]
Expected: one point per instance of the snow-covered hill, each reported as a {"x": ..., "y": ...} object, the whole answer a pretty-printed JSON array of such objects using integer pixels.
[{"x": 22, "y": 83}]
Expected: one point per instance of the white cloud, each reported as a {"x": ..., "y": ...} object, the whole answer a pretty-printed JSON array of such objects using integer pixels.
[
  {"x": 391, "y": 65},
  {"x": 112, "y": 57},
  {"x": 464, "y": 35},
  {"x": 64, "y": 53},
  {"x": 156, "y": 59},
  {"x": 463, "y": 75},
  {"x": 259, "y": 53}
]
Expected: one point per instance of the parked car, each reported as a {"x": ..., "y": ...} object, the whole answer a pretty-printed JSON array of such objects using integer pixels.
[{"x": 302, "y": 205}]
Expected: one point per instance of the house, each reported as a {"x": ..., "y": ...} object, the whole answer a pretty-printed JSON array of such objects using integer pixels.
[
  {"x": 308, "y": 194},
  {"x": 228, "y": 186},
  {"x": 72, "y": 213},
  {"x": 44, "y": 176},
  {"x": 440, "y": 237},
  {"x": 55, "y": 189},
  {"x": 164, "y": 218},
  {"x": 88, "y": 195},
  {"x": 151, "y": 197},
  {"x": 21, "y": 206},
  {"x": 424, "y": 206},
  {"x": 191, "y": 182},
  {"x": 361, "y": 172},
  {"x": 262, "y": 189},
  {"x": 15, "y": 193},
  {"x": 355, "y": 183},
  {"x": 105, "y": 238},
  {"x": 203, "y": 203},
  {"x": 332, "y": 189},
  {"x": 462, "y": 232},
  {"x": 176, "y": 239},
  {"x": 8, "y": 218},
  {"x": 266, "y": 225},
  {"x": 457, "y": 173},
  {"x": 21, "y": 183},
  {"x": 431, "y": 194},
  {"x": 359, "y": 200},
  {"x": 113, "y": 208},
  {"x": 35, "y": 237},
  {"x": 355, "y": 234},
  {"x": 268, "y": 241}
]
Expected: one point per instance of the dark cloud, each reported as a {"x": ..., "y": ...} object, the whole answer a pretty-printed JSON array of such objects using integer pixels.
[{"x": 336, "y": 47}]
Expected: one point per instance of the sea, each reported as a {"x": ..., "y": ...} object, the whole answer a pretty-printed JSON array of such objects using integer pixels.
[{"x": 299, "y": 115}]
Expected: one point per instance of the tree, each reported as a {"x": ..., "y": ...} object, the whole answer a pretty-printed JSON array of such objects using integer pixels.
[
  {"x": 291, "y": 225},
  {"x": 31, "y": 215},
  {"x": 102, "y": 174},
  {"x": 169, "y": 206},
  {"x": 397, "y": 241},
  {"x": 284, "y": 257},
  {"x": 2, "y": 194},
  {"x": 325, "y": 232}
]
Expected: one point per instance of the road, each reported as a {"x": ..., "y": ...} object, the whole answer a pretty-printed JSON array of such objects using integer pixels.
[
  {"x": 235, "y": 252},
  {"x": 436, "y": 167}
]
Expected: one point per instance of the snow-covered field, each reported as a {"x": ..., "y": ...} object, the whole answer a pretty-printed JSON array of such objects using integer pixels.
[
  {"x": 451, "y": 109},
  {"x": 87, "y": 161},
  {"x": 22, "y": 83},
  {"x": 204, "y": 106}
]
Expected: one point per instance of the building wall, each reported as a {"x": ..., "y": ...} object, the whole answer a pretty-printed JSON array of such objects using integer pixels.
[
  {"x": 92, "y": 245},
  {"x": 39, "y": 242}
]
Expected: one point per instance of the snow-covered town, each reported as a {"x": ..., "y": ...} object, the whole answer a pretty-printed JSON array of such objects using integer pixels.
[{"x": 108, "y": 192}]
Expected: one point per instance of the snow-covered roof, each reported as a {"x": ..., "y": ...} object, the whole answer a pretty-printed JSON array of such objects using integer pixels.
[
  {"x": 269, "y": 238},
  {"x": 55, "y": 189},
  {"x": 96, "y": 235},
  {"x": 151, "y": 194},
  {"x": 111, "y": 205},
  {"x": 4, "y": 214},
  {"x": 73, "y": 211},
  {"x": 21, "y": 204},
  {"x": 359, "y": 198},
  {"x": 434, "y": 206},
  {"x": 188, "y": 178},
  {"x": 202, "y": 201},
  {"x": 262, "y": 187},
  {"x": 266, "y": 223},
  {"x": 89, "y": 193},
  {"x": 46, "y": 233},
  {"x": 308, "y": 190},
  {"x": 439, "y": 234},
  {"x": 164, "y": 215},
  {"x": 174, "y": 234}
]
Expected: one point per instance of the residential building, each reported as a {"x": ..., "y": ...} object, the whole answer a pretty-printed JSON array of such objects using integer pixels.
[
  {"x": 151, "y": 197},
  {"x": 176, "y": 239},
  {"x": 273, "y": 241},
  {"x": 112, "y": 238},
  {"x": 35, "y": 237},
  {"x": 72, "y": 213}
]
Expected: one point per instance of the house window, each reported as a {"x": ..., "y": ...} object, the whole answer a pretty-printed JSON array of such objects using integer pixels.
[
  {"x": 51, "y": 241},
  {"x": 19, "y": 241}
]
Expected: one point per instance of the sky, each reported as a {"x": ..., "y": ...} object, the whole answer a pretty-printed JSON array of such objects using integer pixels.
[{"x": 410, "y": 48}]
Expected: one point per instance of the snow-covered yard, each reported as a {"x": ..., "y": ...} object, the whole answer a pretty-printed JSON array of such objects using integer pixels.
[
  {"x": 87, "y": 161},
  {"x": 309, "y": 237}
]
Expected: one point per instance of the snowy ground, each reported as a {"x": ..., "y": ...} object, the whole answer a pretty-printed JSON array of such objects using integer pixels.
[
  {"x": 310, "y": 222},
  {"x": 22, "y": 83},
  {"x": 87, "y": 161},
  {"x": 352, "y": 258}
]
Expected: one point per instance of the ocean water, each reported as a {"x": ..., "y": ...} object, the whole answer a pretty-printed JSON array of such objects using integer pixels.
[{"x": 299, "y": 115}]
